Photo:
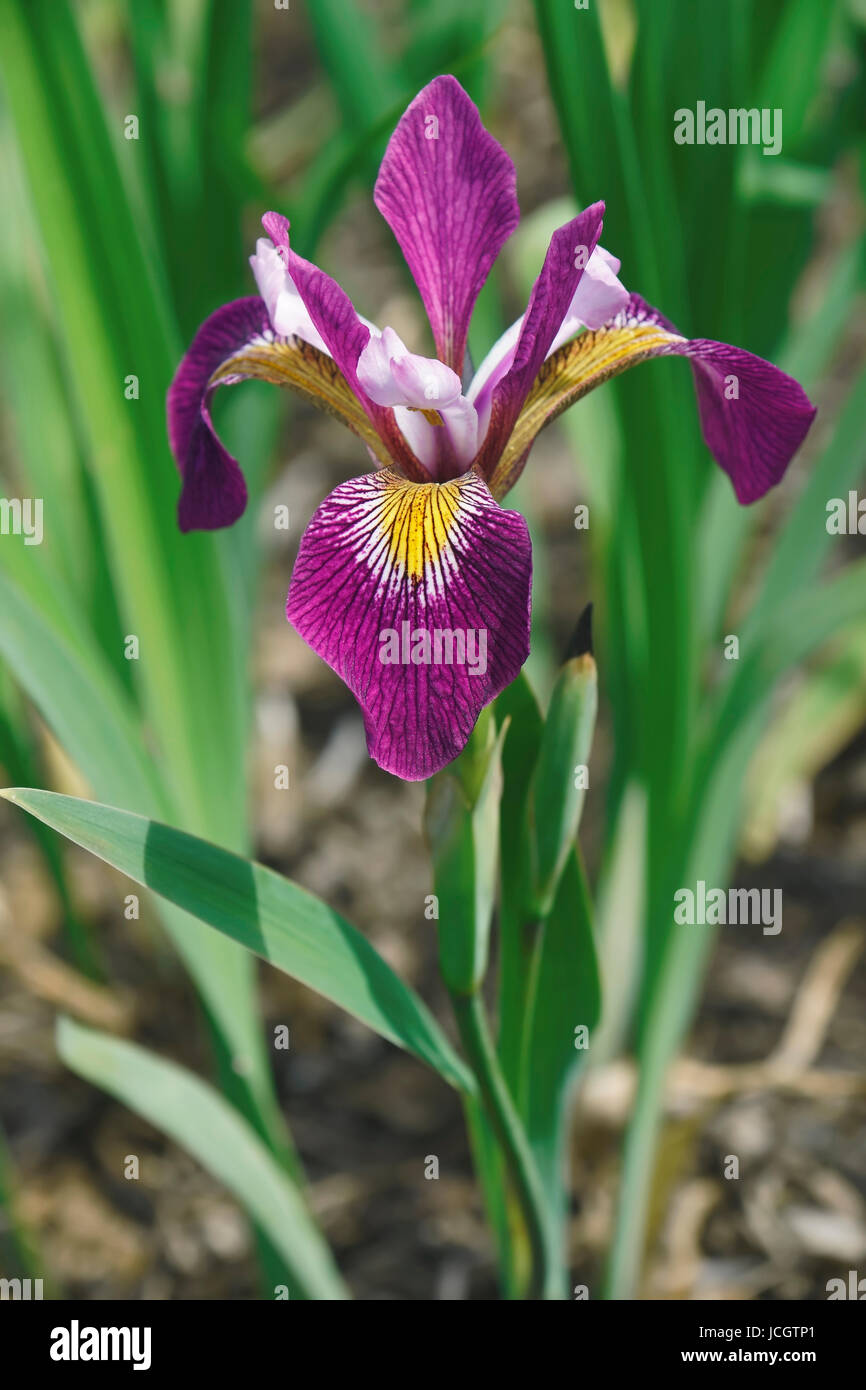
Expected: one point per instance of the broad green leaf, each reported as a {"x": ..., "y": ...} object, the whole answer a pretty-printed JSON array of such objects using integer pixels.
[
  {"x": 83, "y": 703},
  {"x": 198, "y": 1118},
  {"x": 267, "y": 914}
]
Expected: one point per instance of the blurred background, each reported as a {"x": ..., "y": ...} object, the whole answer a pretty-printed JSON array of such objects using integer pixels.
[{"x": 119, "y": 235}]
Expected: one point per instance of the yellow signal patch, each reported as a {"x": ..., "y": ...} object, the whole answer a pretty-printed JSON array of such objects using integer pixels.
[{"x": 418, "y": 519}]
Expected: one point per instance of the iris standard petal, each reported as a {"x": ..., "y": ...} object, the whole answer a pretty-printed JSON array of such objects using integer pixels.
[
  {"x": 598, "y": 296},
  {"x": 447, "y": 190},
  {"x": 418, "y": 596},
  {"x": 286, "y": 310},
  {"x": 754, "y": 417},
  {"x": 235, "y": 344},
  {"x": 345, "y": 334}
]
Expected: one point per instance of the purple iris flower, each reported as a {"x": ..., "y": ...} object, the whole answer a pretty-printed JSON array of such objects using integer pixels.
[{"x": 412, "y": 581}]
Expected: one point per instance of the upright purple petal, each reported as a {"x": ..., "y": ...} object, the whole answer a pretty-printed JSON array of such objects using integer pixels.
[
  {"x": 552, "y": 294},
  {"x": 447, "y": 190},
  {"x": 599, "y": 296},
  {"x": 334, "y": 315},
  {"x": 214, "y": 493},
  {"x": 286, "y": 310},
  {"x": 394, "y": 583},
  {"x": 277, "y": 227}
]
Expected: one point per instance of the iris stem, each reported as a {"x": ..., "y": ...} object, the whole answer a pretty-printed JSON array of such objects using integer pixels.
[
  {"x": 532, "y": 941},
  {"x": 474, "y": 1031}
]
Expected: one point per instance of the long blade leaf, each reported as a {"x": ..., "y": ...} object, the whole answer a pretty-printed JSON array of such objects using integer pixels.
[
  {"x": 257, "y": 908},
  {"x": 198, "y": 1118}
]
